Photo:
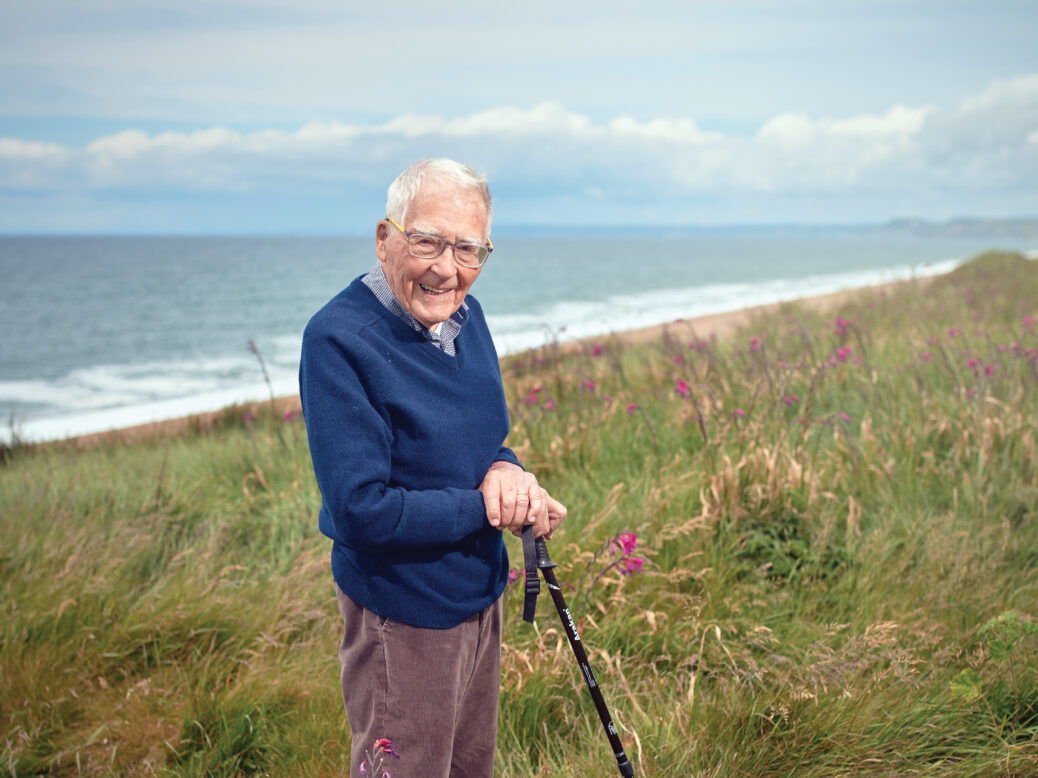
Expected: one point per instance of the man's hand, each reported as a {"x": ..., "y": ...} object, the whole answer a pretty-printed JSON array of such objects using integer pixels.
[{"x": 513, "y": 499}]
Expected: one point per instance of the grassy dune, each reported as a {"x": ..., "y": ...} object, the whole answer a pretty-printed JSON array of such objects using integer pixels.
[{"x": 837, "y": 533}]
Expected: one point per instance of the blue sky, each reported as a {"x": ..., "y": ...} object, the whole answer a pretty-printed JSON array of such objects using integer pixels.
[{"x": 275, "y": 116}]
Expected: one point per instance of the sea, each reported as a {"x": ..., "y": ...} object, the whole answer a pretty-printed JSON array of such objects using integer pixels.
[{"x": 100, "y": 333}]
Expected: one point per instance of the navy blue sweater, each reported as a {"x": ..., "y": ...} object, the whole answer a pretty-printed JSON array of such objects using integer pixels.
[{"x": 401, "y": 435}]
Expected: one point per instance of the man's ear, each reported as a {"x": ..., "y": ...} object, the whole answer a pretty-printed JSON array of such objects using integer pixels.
[{"x": 381, "y": 236}]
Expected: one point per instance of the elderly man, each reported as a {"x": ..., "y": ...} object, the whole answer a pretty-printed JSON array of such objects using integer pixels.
[{"x": 406, "y": 419}]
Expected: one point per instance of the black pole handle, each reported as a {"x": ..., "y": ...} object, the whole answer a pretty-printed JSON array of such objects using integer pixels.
[{"x": 535, "y": 557}]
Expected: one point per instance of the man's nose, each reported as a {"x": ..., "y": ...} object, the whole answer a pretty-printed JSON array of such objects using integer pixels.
[{"x": 445, "y": 264}]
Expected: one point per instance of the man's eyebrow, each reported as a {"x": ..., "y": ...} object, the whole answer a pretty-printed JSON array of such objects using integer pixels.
[
  {"x": 416, "y": 227},
  {"x": 425, "y": 230}
]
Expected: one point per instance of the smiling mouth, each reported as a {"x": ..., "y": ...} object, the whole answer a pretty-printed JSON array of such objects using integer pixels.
[{"x": 432, "y": 291}]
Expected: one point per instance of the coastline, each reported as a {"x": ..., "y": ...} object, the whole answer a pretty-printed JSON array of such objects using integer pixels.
[{"x": 718, "y": 325}]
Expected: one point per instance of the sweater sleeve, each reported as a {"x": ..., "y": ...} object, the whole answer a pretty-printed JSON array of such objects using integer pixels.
[
  {"x": 506, "y": 454},
  {"x": 350, "y": 445}
]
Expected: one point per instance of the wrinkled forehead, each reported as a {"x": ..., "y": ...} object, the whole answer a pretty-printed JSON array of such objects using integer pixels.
[{"x": 438, "y": 205}]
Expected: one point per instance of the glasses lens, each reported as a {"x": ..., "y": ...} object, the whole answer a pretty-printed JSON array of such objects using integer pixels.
[
  {"x": 425, "y": 246},
  {"x": 470, "y": 254}
]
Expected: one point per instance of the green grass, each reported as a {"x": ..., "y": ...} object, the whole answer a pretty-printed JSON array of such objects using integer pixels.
[{"x": 837, "y": 518}]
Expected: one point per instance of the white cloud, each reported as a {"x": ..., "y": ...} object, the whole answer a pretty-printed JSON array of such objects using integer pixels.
[
  {"x": 15, "y": 149},
  {"x": 988, "y": 141}
]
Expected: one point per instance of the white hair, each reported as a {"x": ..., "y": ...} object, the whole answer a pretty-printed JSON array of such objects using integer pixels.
[{"x": 405, "y": 188}]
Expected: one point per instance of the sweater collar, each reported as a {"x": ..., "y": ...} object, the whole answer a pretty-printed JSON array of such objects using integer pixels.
[{"x": 447, "y": 332}]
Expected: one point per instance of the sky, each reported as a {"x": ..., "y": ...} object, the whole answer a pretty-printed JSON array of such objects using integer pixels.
[{"x": 292, "y": 116}]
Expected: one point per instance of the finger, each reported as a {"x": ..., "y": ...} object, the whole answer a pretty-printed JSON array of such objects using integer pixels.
[
  {"x": 541, "y": 527},
  {"x": 521, "y": 516},
  {"x": 507, "y": 508},
  {"x": 538, "y": 505},
  {"x": 492, "y": 501},
  {"x": 556, "y": 508},
  {"x": 556, "y": 514}
]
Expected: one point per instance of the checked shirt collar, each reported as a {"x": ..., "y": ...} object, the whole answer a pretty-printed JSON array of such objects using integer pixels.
[{"x": 443, "y": 339}]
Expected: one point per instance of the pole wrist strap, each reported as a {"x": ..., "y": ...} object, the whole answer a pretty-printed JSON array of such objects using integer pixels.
[{"x": 533, "y": 581}]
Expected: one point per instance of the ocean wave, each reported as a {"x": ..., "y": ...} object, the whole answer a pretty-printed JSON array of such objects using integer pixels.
[
  {"x": 107, "y": 396},
  {"x": 573, "y": 320}
]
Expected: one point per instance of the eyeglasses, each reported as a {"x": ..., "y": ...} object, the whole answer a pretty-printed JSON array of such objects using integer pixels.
[{"x": 430, "y": 246}]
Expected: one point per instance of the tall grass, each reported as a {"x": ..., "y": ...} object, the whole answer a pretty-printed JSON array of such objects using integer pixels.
[{"x": 836, "y": 512}]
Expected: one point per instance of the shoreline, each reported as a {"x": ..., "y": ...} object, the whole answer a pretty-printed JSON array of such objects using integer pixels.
[{"x": 718, "y": 325}]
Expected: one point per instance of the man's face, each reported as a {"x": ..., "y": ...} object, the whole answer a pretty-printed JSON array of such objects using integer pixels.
[{"x": 431, "y": 290}]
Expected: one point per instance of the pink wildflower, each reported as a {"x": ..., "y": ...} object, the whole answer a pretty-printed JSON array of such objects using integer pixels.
[
  {"x": 683, "y": 388},
  {"x": 952, "y": 332},
  {"x": 970, "y": 393},
  {"x": 678, "y": 359},
  {"x": 589, "y": 385},
  {"x": 385, "y": 745},
  {"x": 840, "y": 325},
  {"x": 628, "y": 541},
  {"x": 843, "y": 353},
  {"x": 549, "y": 406},
  {"x": 989, "y": 370},
  {"x": 846, "y": 418},
  {"x": 632, "y": 565},
  {"x": 791, "y": 399},
  {"x": 972, "y": 362},
  {"x": 607, "y": 398},
  {"x": 596, "y": 350},
  {"x": 927, "y": 356},
  {"x": 633, "y": 408},
  {"x": 739, "y": 412},
  {"x": 754, "y": 344}
]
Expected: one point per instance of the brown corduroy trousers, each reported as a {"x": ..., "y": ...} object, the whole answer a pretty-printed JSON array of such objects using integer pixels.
[{"x": 433, "y": 692}]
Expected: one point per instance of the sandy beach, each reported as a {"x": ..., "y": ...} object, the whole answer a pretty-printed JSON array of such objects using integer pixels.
[{"x": 714, "y": 325}]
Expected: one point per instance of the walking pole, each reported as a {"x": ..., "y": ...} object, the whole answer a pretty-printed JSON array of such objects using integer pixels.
[{"x": 535, "y": 557}]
